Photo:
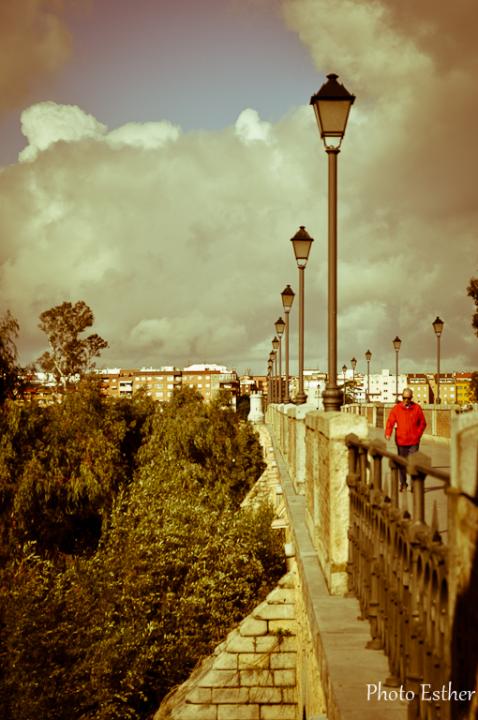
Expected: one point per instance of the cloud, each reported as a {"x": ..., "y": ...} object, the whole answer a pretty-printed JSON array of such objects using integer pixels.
[
  {"x": 180, "y": 242},
  {"x": 35, "y": 43}
]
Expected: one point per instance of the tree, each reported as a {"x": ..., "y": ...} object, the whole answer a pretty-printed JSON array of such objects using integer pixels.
[
  {"x": 69, "y": 354},
  {"x": 472, "y": 291},
  {"x": 9, "y": 370}
]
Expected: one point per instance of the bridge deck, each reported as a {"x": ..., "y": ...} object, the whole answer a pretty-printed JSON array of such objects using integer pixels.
[{"x": 340, "y": 637}]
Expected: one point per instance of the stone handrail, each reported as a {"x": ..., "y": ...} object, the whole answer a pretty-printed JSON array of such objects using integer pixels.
[{"x": 398, "y": 569}]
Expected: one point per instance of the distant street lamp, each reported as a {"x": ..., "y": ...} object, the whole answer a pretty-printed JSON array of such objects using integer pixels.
[
  {"x": 353, "y": 362},
  {"x": 438, "y": 328},
  {"x": 271, "y": 360},
  {"x": 332, "y": 105},
  {"x": 279, "y": 326},
  {"x": 287, "y": 296},
  {"x": 368, "y": 357},
  {"x": 301, "y": 242},
  {"x": 344, "y": 371},
  {"x": 396, "y": 344},
  {"x": 275, "y": 347},
  {"x": 269, "y": 381}
]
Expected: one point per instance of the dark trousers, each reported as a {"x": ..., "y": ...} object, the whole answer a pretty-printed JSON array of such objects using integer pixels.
[{"x": 404, "y": 451}]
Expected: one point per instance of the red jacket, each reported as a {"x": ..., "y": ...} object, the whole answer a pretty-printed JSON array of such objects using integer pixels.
[{"x": 410, "y": 423}]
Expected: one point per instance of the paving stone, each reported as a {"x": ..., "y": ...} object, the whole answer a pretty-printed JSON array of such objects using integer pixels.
[
  {"x": 260, "y": 678},
  {"x": 281, "y": 595},
  {"x": 252, "y": 660},
  {"x": 252, "y": 626},
  {"x": 230, "y": 695},
  {"x": 225, "y": 661},
  {"x": 276, "y": 643},
  {"x": 238, "y": 644},
  {"x": 199, "y": 695},
  {"x": 278, "y": 712},
  {"x": 220, "y": 678},
  {"x": 283, "y": 660},
  {"x": 275, "y": 612},
  {"x": 238, "y": 712},
  {"x": 288, "y": 625},
  {"x": 284, "y": 678},
  {"x": 195, "y": 712},
  {"x": 265, "y": 695},
  {"x": 289, "y": 695}
]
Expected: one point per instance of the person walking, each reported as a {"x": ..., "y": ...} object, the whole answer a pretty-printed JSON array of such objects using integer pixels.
[{"x": 410, "y": 424}]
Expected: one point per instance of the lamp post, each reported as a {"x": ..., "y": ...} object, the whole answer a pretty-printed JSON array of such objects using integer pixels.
[
  {"x": 271, "y": 360},
  {"x": 269, "y": 375},
  {"x": 353, "y": 362},
  {"x": 332, "y": 105},
  {"x": 301, "y": 242},
  {"x": 368, "y": 357},
  {"x": 287, "y": 296},
  {"x": 275, "y": 347},
  {"x": 279, "y": 326},
  {"x": 438, "y": 328},
  {"x": 344, "y": 371},
  {"x": 396, "y": 344}
]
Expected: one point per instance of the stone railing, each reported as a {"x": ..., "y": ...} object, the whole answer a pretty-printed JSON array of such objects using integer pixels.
[
  {"x": 411, "y": 559},
  {"x": 439, "y": 418},
  {"x": 399, "y": 571}
]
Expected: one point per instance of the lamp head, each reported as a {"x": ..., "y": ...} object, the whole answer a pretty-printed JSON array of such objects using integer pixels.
[
  {"x": 438, "y": 326},
  {"x": 332, "y": 105},
  {"x": 287, "y": 296},
  {"x": 301, "y": 243},
  {"x": 279, "y": 326}
]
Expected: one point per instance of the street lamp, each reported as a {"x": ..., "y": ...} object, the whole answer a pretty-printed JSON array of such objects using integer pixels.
[
  {"x": 301, "y": 242},
  {"x": 438, "y": 328},
  {"x": 332, "y": 105},
  {"x": 353, "y": 362},
  {"x": 344, "y": 371},
  {"x": 271, "y": 360},
  {"x": 368, "y": 357},
  {"x": 269, "y": 375},
  {"x": 287, "y": 296},
  {"x": 396, "y": 344},
  {"x": 279, "y": 326},
  {"x": 275, "y": 347}
]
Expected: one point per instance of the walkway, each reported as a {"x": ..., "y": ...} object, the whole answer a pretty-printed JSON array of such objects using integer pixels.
[{"x": 349, "y": 669}]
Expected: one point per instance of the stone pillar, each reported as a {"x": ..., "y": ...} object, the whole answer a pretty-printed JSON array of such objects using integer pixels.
[
  {"x": 463, "y": 561},
  {"x": 327, "y": 493},
  {"x": 256, "y": 414},
  {"x": 297, "y": 460}
]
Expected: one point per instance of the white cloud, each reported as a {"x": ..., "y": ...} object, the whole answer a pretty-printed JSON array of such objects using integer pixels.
[{"x": 180, "y": 242}]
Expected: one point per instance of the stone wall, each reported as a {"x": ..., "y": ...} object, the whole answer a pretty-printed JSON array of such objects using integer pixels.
[
  {"x": 252, "y": 674},
  {"x": 463, "y": 542}
]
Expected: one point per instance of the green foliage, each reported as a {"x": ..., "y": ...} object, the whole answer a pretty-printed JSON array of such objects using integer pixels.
[
  {"x": 472, "y": 291},
  {"x": 101, "y": 629},
  {"x": 69, "y": 355},
  {"x": 9, "y": 371},
  {"x": 474, "y": 387}
]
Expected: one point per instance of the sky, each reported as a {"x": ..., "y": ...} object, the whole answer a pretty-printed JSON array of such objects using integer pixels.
[{"x": 157, "y": 156}]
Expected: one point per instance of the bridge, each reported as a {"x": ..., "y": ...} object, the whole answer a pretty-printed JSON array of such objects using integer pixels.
[{"x": 377, "y": 614}]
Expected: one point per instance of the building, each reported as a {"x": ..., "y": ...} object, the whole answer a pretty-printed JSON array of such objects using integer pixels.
[
  {"x": 464, "y": 394},
  {"x": 383, "y": 386},
  {"x": 419, "y": 384}
]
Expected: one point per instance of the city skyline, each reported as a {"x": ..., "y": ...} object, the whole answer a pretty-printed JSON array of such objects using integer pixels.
[{"x": 169, "y": 154}]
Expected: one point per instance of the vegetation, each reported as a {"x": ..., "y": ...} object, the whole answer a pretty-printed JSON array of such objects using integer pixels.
[
  {"x": 472, "y": 291},
  {"x": 9, "y": 371},
  {"x": 70, "y": 355},
  {"x": 125, "y": 554}
]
